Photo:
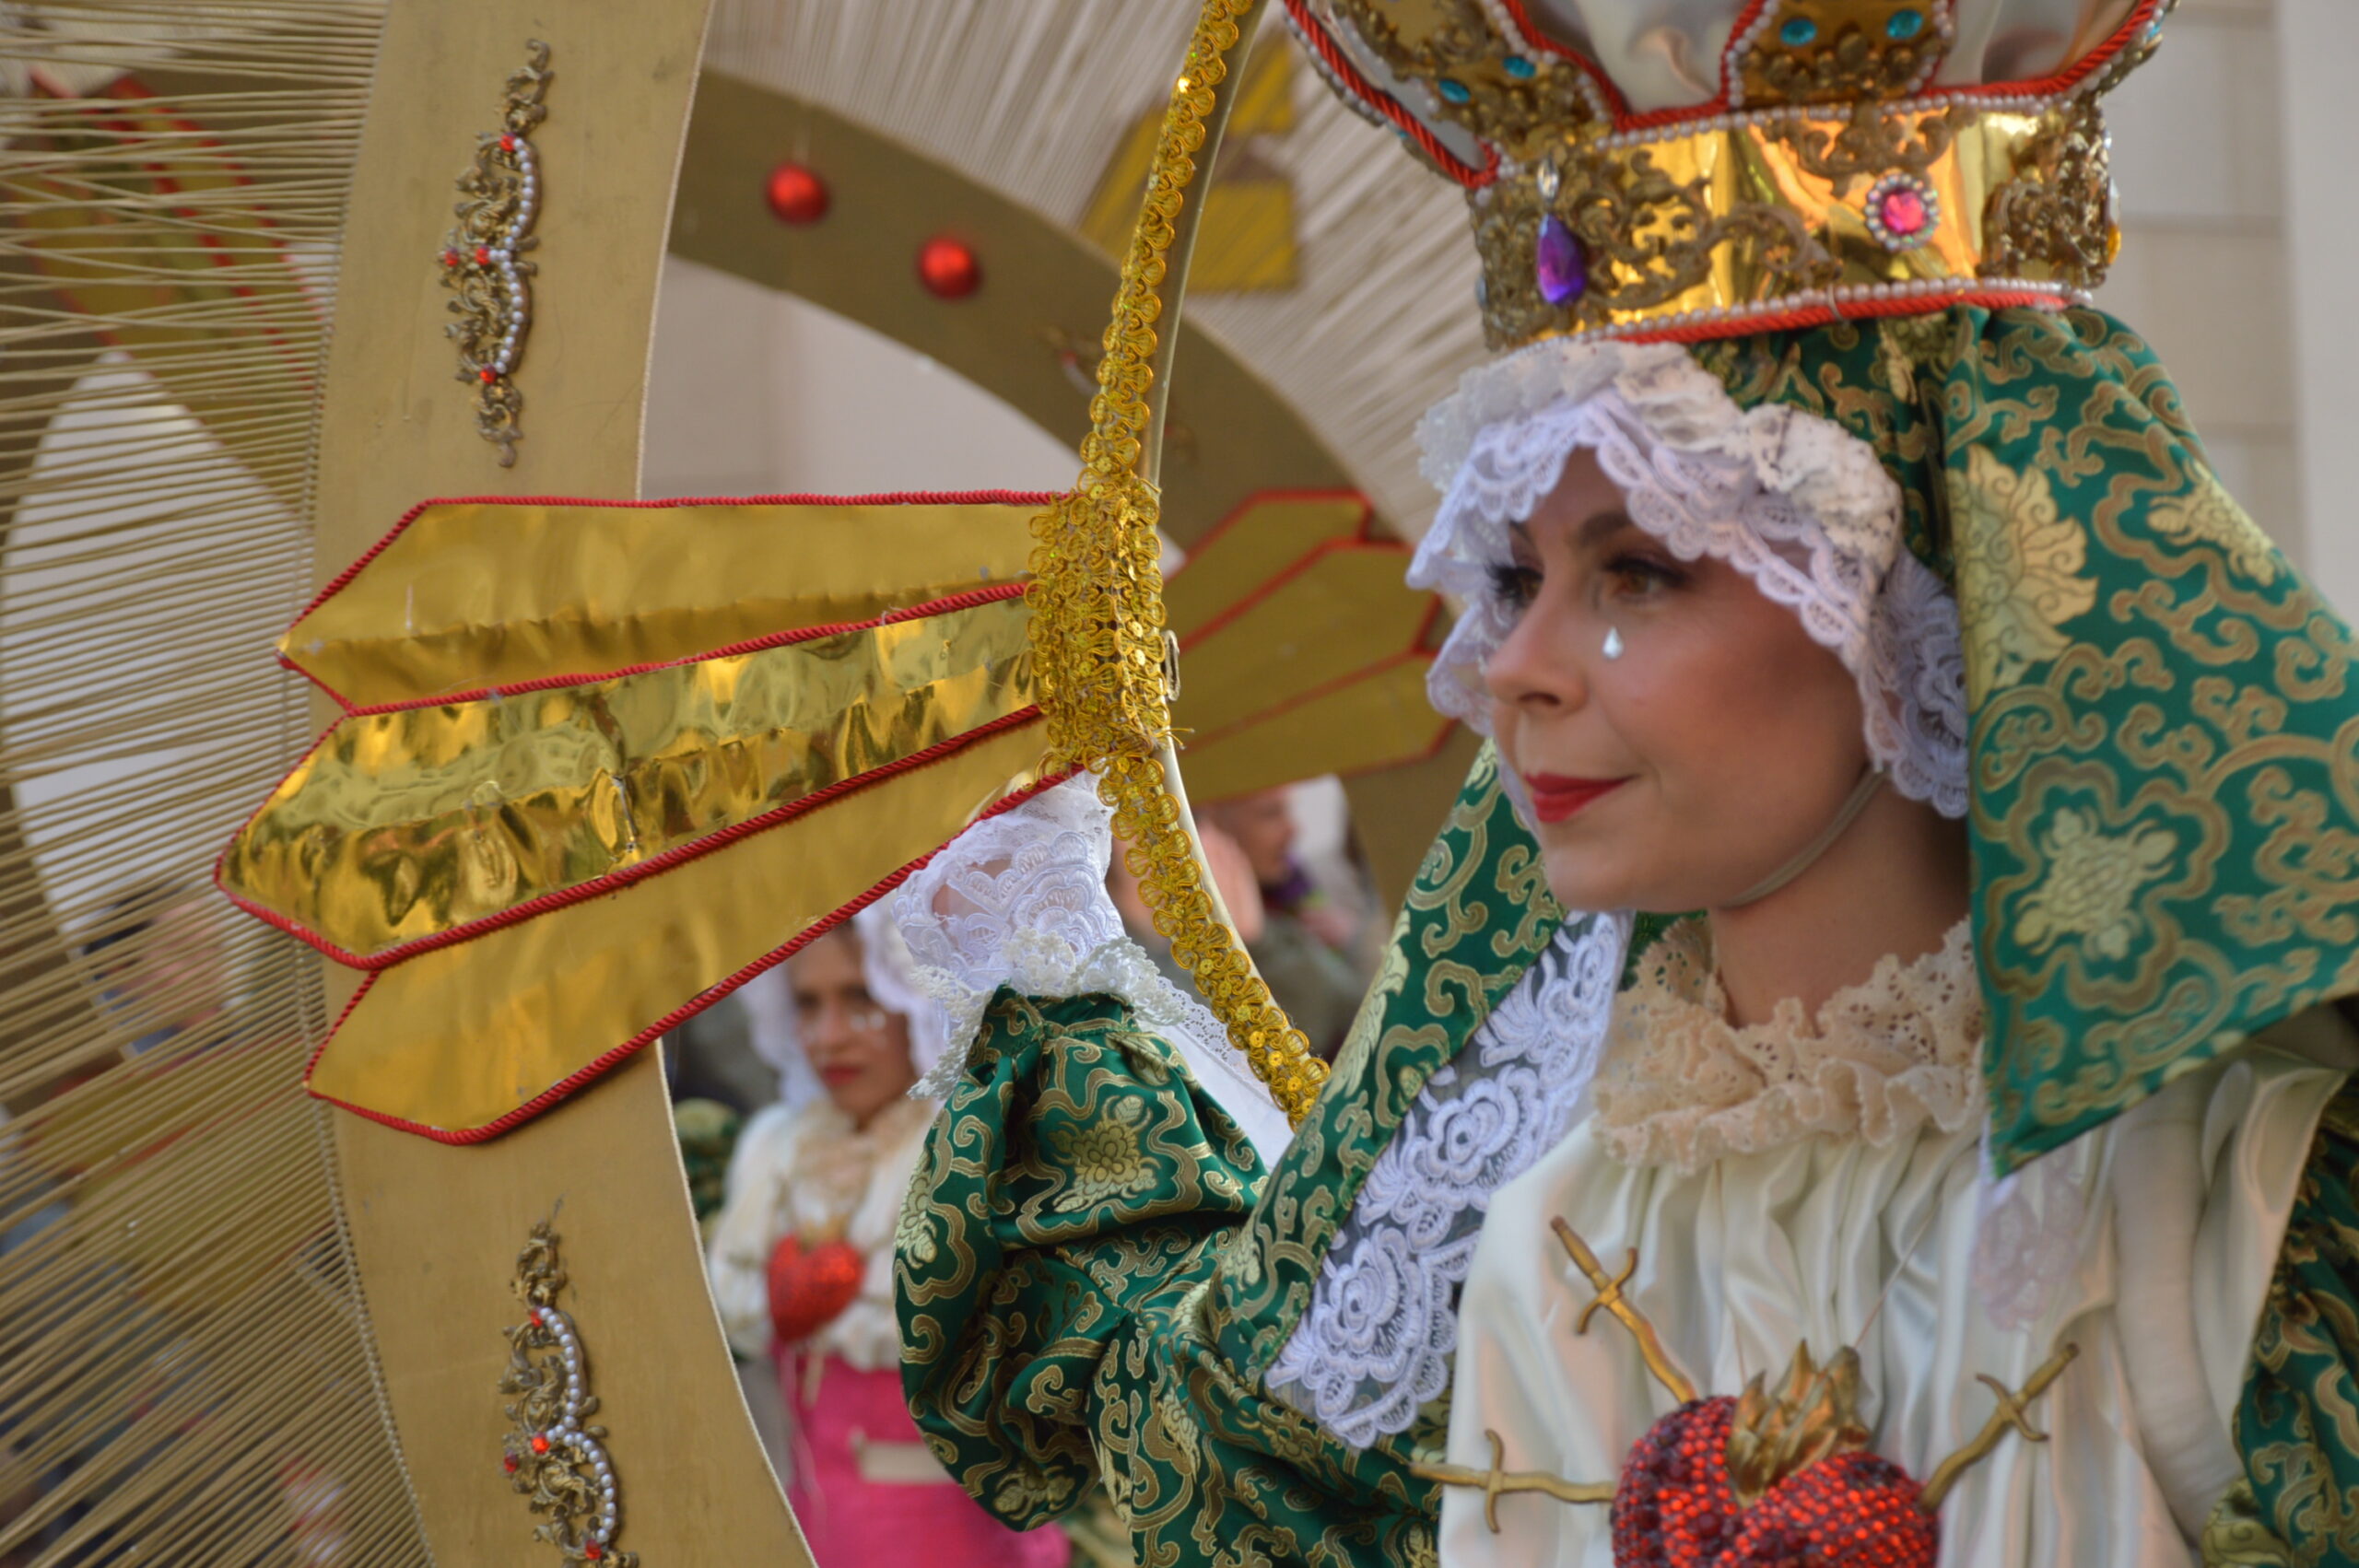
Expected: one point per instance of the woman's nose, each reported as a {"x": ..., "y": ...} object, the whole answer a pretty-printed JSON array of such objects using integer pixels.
[{"x": 1540, "y": 664}]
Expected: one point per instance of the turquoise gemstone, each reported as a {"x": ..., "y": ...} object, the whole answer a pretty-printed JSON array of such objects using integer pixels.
[
  {"x": 1520, "y": 68},
  {"x": 1799, "y": 33},
  {"x": 1455, "y": 91},
  {"x": 1905, "y": 25}
]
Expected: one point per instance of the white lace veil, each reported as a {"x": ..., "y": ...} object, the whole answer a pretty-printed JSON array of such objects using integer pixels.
[
  {"x": 1797, "y": 503},
  {"x": 1020, "y": 899}
]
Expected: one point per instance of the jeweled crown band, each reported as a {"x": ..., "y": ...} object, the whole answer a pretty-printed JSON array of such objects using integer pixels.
[{"x": 1794, "y": 217}]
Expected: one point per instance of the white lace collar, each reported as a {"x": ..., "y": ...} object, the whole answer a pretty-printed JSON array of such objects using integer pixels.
[{"x": 1682, "y": 1086}]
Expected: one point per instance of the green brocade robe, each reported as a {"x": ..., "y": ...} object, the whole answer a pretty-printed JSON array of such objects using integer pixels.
[{"x": 1096, "y": 1272}]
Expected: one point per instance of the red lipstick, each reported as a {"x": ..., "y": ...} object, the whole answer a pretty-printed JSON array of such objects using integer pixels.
[{"x": 1555, "y": 797}]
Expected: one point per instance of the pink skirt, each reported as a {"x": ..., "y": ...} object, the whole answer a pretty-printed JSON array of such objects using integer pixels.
[{"x": 868, "y": 1494}]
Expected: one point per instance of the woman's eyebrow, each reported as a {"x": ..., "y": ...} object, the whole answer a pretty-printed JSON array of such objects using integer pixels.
[{"x": 1598, "y": 527}]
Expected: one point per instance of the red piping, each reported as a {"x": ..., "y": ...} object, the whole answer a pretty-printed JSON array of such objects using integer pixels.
[
  {"x": 1361, "y": 529},
  {"x": 949, "y": 605},
  {"x": 669, "y": 1021},
  {"x": 1865, "y": 310},
  {"x": 615, "y": 881},
  {"x": 1302, "y": 700},
  {"x": 1292, "y": 570},
  {"x": 887, "y": 498},
  {"x": 1315, "y": 33},
  {"x": 1615, "y": 104}
]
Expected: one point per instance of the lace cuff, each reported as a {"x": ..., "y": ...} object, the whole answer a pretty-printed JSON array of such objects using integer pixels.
[{"x": 1019, "y": 900}]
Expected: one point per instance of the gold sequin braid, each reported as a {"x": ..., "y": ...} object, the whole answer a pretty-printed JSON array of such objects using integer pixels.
[{"x": 1097, "y": 597}]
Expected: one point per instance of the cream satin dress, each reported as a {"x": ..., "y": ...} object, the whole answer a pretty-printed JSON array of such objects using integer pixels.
[{"x": 1816, "y": 1181}]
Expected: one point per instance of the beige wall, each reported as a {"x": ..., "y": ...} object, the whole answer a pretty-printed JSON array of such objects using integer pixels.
[
  {"x": 752, "y": 392},
  {"x": 2318, "y": 48}
]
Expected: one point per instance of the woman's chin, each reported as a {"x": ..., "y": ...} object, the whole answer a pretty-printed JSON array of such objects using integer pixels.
[{"x": 1579, "y": 881}]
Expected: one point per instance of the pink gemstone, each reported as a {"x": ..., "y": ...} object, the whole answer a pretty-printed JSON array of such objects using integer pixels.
[{"x": 1904, "y": 213}]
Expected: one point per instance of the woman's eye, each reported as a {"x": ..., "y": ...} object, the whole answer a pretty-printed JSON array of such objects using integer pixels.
[
  {"x": 1640, "y": 576},
  {"x": 1514, "y": 584}
]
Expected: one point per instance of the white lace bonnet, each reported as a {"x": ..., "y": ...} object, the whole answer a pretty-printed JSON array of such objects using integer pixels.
[
  {"x": 887, "y": 969},
  {"x": 1796, "y": 502}
]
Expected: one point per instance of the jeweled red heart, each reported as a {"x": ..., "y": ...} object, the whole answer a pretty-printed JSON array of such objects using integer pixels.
[
  {"x": 1676, "y": 1507},
  {"x": 810, "y": 1288}
]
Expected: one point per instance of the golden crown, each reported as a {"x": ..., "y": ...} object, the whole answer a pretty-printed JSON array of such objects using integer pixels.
[{"x": 1851, "y": 163}]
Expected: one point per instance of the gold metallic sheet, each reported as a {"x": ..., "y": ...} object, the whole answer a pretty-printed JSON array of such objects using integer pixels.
[
  {"x": 457, "y": 1038},
  {"x": 1379, "y": 719},
  {"x": 1253, "y": 545},
  {"x": 1757, "y": 163},
  {"x": 470, "y": 595},
  {"x": 1328, "y": 622},
  {"x": 401, "y": 825}
]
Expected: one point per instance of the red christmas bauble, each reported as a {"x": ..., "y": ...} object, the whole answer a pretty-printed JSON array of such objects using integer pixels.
[
  {"x": 797, "y": 195},
  {"x": 950, "y": 268},
  {"x": 809, "y": 1289},
  {"x": 1674, "y": 1507}
]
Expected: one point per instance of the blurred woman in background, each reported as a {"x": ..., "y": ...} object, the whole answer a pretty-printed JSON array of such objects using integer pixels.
[{"x": 802, "y": 1268}]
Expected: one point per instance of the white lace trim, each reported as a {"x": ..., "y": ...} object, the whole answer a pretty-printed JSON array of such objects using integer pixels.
[
  {"x": 1020, "y": 899},
  {"x": 1795, "y": 502},
  {"x": 1377, "y": 1340},
  {"x": 1683, "y": 1086}
]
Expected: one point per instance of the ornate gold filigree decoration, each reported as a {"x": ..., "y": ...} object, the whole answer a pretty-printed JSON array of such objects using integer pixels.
[
  {"x": 1835, "y": 51},
  {"x": 1097, "y": 625},
  {"x": 482, "y": 258},
  {"x": 557, "y": 1456},
  {"x": 1835, "y": 175},
  {"x": 1516, "y": 99},
  {"x": 1872, "y": 144},
  {"x": 2058, "y": 211},
  {"x": 1751, "y": 221}
]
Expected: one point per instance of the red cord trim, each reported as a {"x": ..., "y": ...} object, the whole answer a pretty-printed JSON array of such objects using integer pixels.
[
  {"x": 1314, "y": 32},
  {"x": 1412, "y": 654},
  {"x": 949, "y": 605},
  {"x": 655, "y": 865},
  {"x": 1615, "y": 104},
  {"x": 221, "y": 858},
  {"x": 1293, "y": 570},
  {"x": 1865, "y": 310},
  {"x": 2072, "y": 75},
  {"x": 669, "y": 1021},
  {"x": 1364, "y": 529},
  {"x": 2055, "y": 86},
  {"x": 887, "y": 498}
]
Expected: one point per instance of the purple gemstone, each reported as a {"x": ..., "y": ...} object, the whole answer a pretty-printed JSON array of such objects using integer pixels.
[{"x": 1561, "y": 265}]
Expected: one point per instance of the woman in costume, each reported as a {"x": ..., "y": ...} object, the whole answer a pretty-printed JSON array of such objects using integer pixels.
[
  {"x": 1858, "y": 1078},
  {"x": 800, "y": 1262}
]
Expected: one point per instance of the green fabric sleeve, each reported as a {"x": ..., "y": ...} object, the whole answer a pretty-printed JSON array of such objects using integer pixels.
[
  {"x": 2297, "y": 1423},
  {"x": 1096, "y": 1272}
]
